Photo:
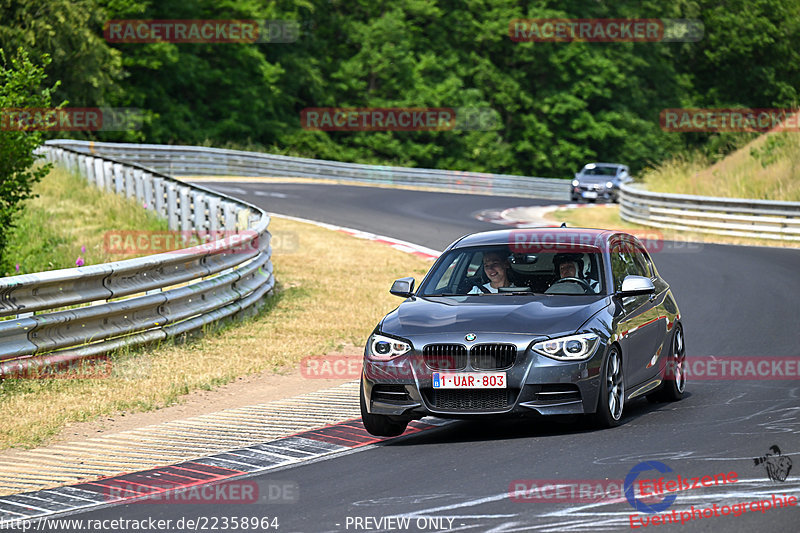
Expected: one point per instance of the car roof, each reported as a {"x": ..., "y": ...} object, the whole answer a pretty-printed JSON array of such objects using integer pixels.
[{"x": 509, "y": 236}]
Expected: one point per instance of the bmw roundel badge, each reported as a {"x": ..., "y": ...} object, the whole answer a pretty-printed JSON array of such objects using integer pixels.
[{"x": 470, "y": 337}]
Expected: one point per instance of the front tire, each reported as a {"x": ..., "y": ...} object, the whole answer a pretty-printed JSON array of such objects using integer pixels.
[
  {"x": 612, "y": 391},
  {"x": 380, "y": 425}
]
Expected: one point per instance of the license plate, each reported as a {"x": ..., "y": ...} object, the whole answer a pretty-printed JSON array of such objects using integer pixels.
[
  {"x": 589, "y": 194},
  {"x": 469, "y": 380}
]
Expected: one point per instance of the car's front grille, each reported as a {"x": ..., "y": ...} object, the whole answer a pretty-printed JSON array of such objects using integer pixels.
[
  {"x": 592, "y": 187},
  {"x": 445, "y": 356},
  {"x": 390, "y": 393},
  {"x": 492, "y": 356},
  {"x": 470, "y": 400}
]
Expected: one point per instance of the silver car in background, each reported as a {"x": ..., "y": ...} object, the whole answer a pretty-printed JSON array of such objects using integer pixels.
[{"x": 599, "y": 181}]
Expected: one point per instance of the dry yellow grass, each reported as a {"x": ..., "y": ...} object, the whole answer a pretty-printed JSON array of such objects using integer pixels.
[
  {"x": 608, "y": 218},
  {"x": 332, "y": 290},
  {"x": 767, "y": 168}
]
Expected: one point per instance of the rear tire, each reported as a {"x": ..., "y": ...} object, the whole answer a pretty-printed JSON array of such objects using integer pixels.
[
  {"x": 611, "y": 402},
  {"x": 675, "y": 378},
  {"x": 380, "y": 425}
]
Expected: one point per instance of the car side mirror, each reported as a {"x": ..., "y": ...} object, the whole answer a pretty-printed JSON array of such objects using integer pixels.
[
  {"x": 403, "y": 287},
  {"x": 636, "y": 286}
]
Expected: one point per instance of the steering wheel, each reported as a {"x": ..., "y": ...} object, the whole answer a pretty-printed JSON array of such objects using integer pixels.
[{"x": 582, "y": 282}]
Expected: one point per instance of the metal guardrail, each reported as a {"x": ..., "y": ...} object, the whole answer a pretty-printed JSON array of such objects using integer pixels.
[
  {"x": 764, "y": 219},
  {"x": 75, "y": 313},
  {"x": 201, "y": 161}
]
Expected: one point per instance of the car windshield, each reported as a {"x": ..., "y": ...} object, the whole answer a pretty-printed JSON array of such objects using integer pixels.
[
  {"x": 600, "y": 171},
  {"x": 497, "y": 270}
]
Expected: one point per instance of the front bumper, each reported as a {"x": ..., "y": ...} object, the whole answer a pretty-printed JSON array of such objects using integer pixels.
[
  {"x": 403, "y": 386},
  {"x": 593, "y": 193}
]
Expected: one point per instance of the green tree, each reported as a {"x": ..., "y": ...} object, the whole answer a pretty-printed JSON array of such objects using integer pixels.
[
  {"x": 71, "y": 33},
  {"x": 21, "y": 86}
]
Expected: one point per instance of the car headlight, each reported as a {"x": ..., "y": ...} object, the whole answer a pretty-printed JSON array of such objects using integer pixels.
[
  {"x": 383, "y": 348},
  {"x": 570, "y": 348},
  {"x": 575, "y": 183},
  {"x": 609, "y": 184}
]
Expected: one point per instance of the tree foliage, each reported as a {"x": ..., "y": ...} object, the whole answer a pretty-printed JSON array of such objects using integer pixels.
[
  {"x": 559, "y": 105},
  {"x": 21, "y": 86}
]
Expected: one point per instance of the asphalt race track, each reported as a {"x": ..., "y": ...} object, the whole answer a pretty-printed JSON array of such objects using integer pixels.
[{"x": 735, "y": 301}]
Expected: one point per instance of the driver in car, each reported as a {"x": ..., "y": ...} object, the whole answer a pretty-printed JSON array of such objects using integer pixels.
[{"x": 571, "y": 266}]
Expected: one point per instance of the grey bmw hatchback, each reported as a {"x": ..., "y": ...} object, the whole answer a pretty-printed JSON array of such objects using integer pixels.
[{"x": 554, "y": 321}]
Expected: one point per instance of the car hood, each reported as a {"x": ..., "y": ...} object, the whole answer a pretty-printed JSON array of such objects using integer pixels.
[
  {"x": 583, "y": 178},
  {"x": 550, "y": 315}
]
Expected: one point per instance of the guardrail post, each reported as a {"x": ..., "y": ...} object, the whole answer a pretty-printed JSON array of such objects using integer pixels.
[
  {"x": 80, "y": 165},
  {"x": 108, "y": 175},
  {"x": 172, "y": 207},
  {"x": 158, "y": 196},
  {"x": 243, "y": 220},
  {"x": 229, "y": 211},
  {"x": 99, "y": 176},
  {"x": 119, "y": 179},
  {"x": 186, "y": 210},
  {"x": 199, "y": 211},
  {"x": 130, "y": 184},
  {"x": 139, "y": 183},
  {"x": 89, "y": 162},
  {"x": 147, "y": 202},
  {"x": 213, "y": 215}
]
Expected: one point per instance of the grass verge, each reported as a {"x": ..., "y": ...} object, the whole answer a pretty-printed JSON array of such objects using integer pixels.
[
  {"x": 332, "y": 290},
  {"x": 608, "y": 218},
  {"x": 69, "y": 216},
  {"x": 767, "y": 168}
]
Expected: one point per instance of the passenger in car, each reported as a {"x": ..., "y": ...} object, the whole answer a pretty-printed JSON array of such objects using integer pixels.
[
  {"x": 571, "y": 266},
  {"x": 496, "y": 266}
]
